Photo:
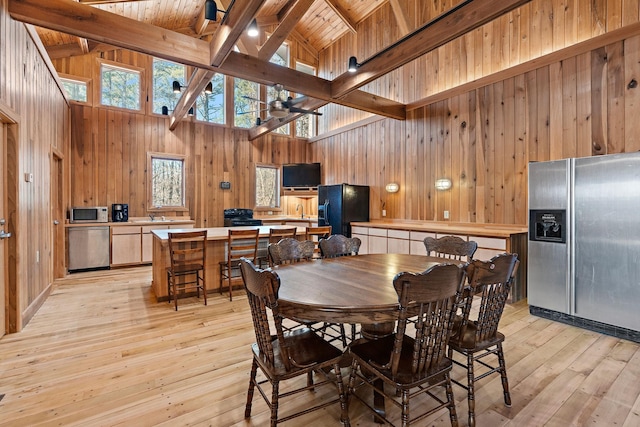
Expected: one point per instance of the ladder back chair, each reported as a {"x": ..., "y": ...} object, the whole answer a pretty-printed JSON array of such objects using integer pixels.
[
  {"x": 406, "y": 362},
  {"x": 479, "y": 338},
  {"x": 284, "y": 355},
  {"x": 315, "y": 234},
  {"x": 186, "y": 271},
  {"x": 451, "y": 247},
  {"x": 338, "y": 245},
  {"x": 240, "y": 243},
  {"x": 275, "y": 235}
]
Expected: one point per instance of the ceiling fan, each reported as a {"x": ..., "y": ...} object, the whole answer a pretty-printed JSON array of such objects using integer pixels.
[{"x": 279, "y": 107}]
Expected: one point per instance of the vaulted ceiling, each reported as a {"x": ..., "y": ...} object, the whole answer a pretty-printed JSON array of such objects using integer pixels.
[{"x": 177, "y": 30}]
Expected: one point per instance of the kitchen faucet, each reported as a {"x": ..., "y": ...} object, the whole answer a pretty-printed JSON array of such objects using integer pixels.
[
  {"x": 152, "y": 216},
  {"x": 302, "y": 208}
]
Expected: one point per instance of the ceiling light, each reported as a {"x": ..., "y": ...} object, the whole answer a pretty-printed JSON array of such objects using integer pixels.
[
  {"x": 177, "y": 86},
  {"x": 165, "y": 110},
  {"x": 190, "y": 113},
  {"x": 443, "y": 184},
  {"x": 353, "y": 64},
  {"x": 209, "y": 88},
  {"x": 252, "y": 31},
  {"x": 210, "y": 10}
]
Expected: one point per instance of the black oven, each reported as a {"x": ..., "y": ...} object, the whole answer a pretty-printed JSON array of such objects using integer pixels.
[{"x": 237, "y": 217}]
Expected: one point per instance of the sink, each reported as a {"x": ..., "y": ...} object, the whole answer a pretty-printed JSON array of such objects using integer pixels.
[{"x": 155, "y": 221}]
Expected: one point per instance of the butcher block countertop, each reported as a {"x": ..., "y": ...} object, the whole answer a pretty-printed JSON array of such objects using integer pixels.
[
  {"x": 486, "y": 230},
  {"x": 221, "y": 233}
]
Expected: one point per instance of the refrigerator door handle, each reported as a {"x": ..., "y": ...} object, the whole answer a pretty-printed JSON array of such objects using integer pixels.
[{"x": 326, "y": 212}]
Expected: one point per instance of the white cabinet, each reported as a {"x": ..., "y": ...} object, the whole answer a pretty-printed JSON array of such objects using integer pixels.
[
  {"x": 147, "y": 241},
  {"x": 126, "y": 245},
  {"x": 361, "y": 233},
  {"x": 488, "y": 247},
  {"x": 377, "y": 240},
  {"x": 416, "y": 245},
  {"x": 398, "y": 241}
]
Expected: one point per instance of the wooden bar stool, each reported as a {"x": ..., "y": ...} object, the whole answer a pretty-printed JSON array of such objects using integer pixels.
[
  {"x": 187, "y": 252},
  {"x": 240, "y": 243}
]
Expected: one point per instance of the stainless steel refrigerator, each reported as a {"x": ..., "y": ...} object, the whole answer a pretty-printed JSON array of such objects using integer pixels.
[
  {"x": 584, "y": 241},
  {"x": 341, "y": 204}
]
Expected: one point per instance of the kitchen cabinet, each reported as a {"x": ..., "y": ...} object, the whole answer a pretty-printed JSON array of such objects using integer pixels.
[
  {"x": 147, "y": 238},
  {"x": 126, "y": 245},
  {"x": 361, "y": 233},
  {"x": 398, "y": 241}
]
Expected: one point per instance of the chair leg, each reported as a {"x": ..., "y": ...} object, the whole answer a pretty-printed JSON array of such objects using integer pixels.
[
  {"x": 175, "y": 295},
  {"x": 405, "y": 407},
  {"x": 204, "y": 287},
  {"x": 470, "y": 391},
  {"x": 503, "y": 375},
  {"x": 275, "y": 385},
  {"x": 252, "y": 385},
  {"x": 344, "y": 406},
  {"x": 343, "y": 335},
  {"x": 450, "y": 401},
  {"x": 221, "y": 278}
]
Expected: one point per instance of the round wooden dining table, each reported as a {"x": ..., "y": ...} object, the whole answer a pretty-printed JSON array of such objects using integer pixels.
[{"x": 349, "y": 289}]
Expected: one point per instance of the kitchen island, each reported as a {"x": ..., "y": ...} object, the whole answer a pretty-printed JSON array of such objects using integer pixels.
[{"x": 216, "y": 245}]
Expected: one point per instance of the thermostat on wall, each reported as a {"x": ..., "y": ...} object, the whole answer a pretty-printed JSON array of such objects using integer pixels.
[{"x": 225, "y": 185}]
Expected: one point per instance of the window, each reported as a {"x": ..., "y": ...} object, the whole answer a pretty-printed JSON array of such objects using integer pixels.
[
  {"x": 267, "y": 186},
  {"x": 76, "y": 89},
  {"x": 166, "y": 189},
  {"x": 281, "y": 57},
  {"x": 119, "y": 87},
  {"x": 210, "y": 107},
  {"x": 306, "y": 125},
  {"x": 164, "y": 73},
  {"x": 246, "y": 102}
]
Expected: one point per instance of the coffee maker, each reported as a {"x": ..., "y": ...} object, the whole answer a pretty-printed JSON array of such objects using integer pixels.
[{"x": 120, "y": 212}]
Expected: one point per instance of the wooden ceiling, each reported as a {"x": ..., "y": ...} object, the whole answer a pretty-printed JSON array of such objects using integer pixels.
[{"x": 177, "y": 30}]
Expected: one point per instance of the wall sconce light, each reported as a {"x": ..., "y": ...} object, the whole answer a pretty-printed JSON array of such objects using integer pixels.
[
  {"x": 165, "y": 111},
  {"x": 353, "y": 64},
  {"x": 209, "y": 88},
  {"x": 443, "y": 184},
  {"x": 177, "y": 87},
  {"x": 211, "y": 10},
  {"x": 252, "y": 31},
  {"x": 392, "y": 187}
]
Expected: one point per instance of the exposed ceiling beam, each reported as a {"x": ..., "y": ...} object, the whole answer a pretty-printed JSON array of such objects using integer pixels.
[
  {"x": 107, "y": 1},
  {"x": 80, "y": 20},
  {"x": 89, "y": 22},
  {"x": 289, "y": 19},
  {"x": 465, "y": 17},
  {"x": 401, "y": 17},
  {"x": 342, "y": 15},
  {"x": 84, "y": 45},
  {"x": 63, "y": 50},
  {"x": 232, "y": 26}
]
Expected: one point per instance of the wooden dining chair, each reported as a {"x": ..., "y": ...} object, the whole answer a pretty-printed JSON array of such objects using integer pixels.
[
  {"x": 290, "y": 250},
  {"x": 451, "y": 247},
  {"x": 478, "y": 338},
  {"x": 240, "y": 243},
  {"x": 339, "y": 245},
  {"x": 275, "y": 235},
  {"x": 186, "y": 271},
  {"x": 315, "y": 234},
  {"x": 413, "y": 362},
  {"x": 284, "y": 355}
]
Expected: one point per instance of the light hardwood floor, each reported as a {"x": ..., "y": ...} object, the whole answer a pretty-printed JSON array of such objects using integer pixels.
[{"x": 102, "y": 352}]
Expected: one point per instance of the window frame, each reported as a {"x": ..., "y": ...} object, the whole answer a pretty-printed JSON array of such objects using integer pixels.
[
  {"x": 87, "y": 82},
  {"x": 166, "y": 156},
  {"x": 152, "y": 89},
  {"x": 126, "y": 67},
  {"x": 313, "y": 119},
  {"x": 224, "y": 102},
  {"x": 278, "y": 188}
]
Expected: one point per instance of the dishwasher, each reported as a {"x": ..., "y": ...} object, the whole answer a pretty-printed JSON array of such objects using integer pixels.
[{"x": 88, "y": 248}]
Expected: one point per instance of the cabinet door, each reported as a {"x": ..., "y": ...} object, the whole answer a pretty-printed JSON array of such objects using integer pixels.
[
  {"x": 126, "y": 249},
  {"x": 364, "y": 245},
  {"x": 147, "y": 240}
]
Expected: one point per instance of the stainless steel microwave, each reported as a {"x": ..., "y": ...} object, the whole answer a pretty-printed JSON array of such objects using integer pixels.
[{"x": 89, "y": 214}]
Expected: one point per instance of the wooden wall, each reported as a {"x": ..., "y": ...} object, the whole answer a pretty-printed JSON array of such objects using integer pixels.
[
  {"x": 109, "y": 149},
  {"x": 32, "y": 101},
  {"x": 531, "y": 31},
  {"x": 483, "y": 139}
]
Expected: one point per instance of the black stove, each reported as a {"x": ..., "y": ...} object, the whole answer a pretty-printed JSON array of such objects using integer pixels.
[{"x": 237, "y": 217}]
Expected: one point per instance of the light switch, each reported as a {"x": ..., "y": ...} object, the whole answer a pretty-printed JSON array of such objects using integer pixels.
[{"x": 28, "y": 177}]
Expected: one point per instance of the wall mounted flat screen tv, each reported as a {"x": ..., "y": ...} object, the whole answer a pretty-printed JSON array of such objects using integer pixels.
[{"x": 301, "y": 175}]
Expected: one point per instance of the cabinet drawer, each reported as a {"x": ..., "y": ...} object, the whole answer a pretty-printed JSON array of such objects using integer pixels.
[
  {"x": 398, "y": 234},
  {"x": 489, "y": 242},
  {"x": 125, "y": 230},
  {"x": 183, "y": 226},
  {"x": 147, "y": 228},
  {"x": 378, "y": 232},
  {"x": 420, "y": 235},
  {"x": 359, "y": 230},
  {"x": 398, "y": 246}
]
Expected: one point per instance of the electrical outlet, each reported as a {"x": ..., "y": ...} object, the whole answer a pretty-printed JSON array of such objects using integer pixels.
[
  {"x": 446, "y": 214},
  {"x": 37, "y": 257},
  {"x": 384, "y": 212}
]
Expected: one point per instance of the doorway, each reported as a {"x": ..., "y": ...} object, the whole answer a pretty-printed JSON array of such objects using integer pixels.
[{"x": 3, "y": 253}]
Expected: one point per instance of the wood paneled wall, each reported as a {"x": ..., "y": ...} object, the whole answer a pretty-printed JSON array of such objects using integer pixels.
[
  {"x": 529, "y": 32},
  {"x": 31, "y": 98},
  {"x": 483, "y": 139}
]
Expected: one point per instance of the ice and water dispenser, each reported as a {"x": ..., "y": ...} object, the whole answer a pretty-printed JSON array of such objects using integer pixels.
[{"x": 548, "y": 226}]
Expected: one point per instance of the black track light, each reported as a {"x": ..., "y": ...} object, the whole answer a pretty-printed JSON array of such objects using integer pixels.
[
  {"x": 209, "y": 88},
  {"x": 353, "y": 64}
]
